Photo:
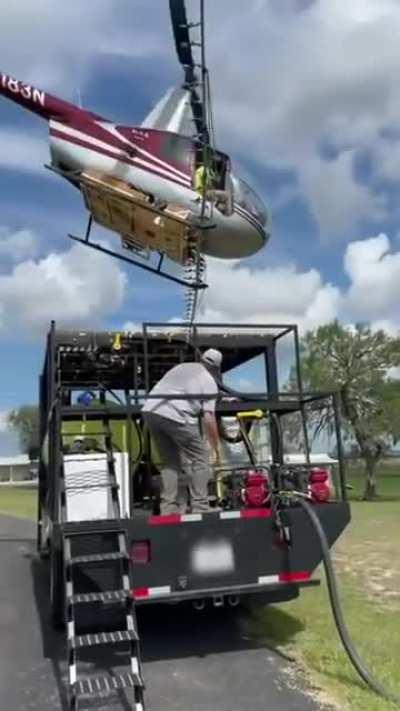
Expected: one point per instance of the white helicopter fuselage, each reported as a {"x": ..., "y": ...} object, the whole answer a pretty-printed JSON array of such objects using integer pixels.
[
  {"x": 230, "y": 237},
  {"x": 160, "y": 163}
]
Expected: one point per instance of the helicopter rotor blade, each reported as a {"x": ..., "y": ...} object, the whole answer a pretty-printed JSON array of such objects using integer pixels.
[
  {"x": 181, "y": 31},
  {"x": 184, "y": 46}
]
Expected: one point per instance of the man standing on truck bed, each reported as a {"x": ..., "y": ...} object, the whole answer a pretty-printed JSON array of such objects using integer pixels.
[{"x": 176, "y": 426}]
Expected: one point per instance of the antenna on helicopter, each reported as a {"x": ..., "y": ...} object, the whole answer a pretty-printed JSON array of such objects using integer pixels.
[{"x": 79, "y": 97}]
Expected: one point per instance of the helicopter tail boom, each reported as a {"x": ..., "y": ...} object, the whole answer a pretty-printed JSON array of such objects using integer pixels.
[{"x": 39, "y": 102}]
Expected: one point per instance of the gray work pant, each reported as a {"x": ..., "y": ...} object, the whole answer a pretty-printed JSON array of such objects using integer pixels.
[{"x": 182, "y": 450}]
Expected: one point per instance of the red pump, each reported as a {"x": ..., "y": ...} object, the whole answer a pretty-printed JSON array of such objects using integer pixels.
[
  {"x": 256, "y": 489},
  {"x": 319, "y": 485}
]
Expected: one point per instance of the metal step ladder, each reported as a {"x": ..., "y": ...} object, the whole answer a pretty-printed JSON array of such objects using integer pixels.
[{"x": 89, "y": 556}]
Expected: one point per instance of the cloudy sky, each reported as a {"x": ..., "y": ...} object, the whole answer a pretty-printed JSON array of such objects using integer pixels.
[{"x": 307, "y": 103}]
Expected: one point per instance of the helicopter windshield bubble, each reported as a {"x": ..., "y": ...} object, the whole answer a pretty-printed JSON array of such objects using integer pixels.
[{"x": 247, "y": 198}]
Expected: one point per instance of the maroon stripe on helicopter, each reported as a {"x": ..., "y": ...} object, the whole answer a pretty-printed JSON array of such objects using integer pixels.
[
  {"x": 105, "y": 131},
  {"x": 123, "y": 144},
  {"x": 249, "y": 218},
  {"x": 245, "y": 213},
  {"x": 251, "y": 221},
  {"x": 146, "y": 154},
  {"x": 151, "y": 168}
]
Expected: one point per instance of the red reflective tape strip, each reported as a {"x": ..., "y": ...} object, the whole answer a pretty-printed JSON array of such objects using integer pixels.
[
  {"x": 140, "y": 593},
  {"x": 168, "y": 520},
  {"x": 255, "y": 513},
  {"x": 294, "y": 577},
  {"x": 173, "y": 519}
]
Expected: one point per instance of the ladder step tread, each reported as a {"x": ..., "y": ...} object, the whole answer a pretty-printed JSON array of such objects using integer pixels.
[
  {"x": 73, "y": 530},
  {"x": 97, "y": 638},
  {"x": 106, "y": 596},
  {"x": 95, "y": 684},
  {"x": 100, "y": 485},
  {"x": 79, "y": 434},
  {"x": 98, "y": 557},
  {"x": 90, "y": 456}
]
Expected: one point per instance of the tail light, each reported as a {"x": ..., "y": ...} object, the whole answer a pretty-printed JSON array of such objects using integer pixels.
[
  {"x": 255, "y": 492},
  {"x": 140, "y": 552},
  {"x": 320, "y": 485}
]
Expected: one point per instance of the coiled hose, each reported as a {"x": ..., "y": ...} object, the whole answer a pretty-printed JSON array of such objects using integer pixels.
[{"x": 341, "y": 627}]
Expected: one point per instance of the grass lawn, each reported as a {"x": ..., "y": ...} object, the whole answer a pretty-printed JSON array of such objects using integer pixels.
[
  {"x": 388, "y": 479},
  {"x": 18, "y": 501},
  {"x": 368, "y": 563}
]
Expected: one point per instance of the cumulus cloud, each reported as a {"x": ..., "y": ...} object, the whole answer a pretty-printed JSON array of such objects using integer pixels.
[
  {"x": 55, "y": 47},
  {"x": 21, "y": 151},
  {"x": 386, "y": 158},
  {"x": 374, "y": 273},
  {"x": 334, "y": 197},
  {"x": 299, "y": 80},
  {"x": 290, "y": 295},
  {"x": 77, "y": 287},
  {"x": 15, "y": 246},
  {"x": 280, "y": 295}
]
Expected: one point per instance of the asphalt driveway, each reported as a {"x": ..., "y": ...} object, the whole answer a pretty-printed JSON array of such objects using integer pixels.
[{"x": 197, "y": 661}]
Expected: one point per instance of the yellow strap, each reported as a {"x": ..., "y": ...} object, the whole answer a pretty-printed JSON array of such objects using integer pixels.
[
  {"x": 254, "y": 414},
  {"x": 199, "y": 178},
  {"x": 203, "y": 178}
]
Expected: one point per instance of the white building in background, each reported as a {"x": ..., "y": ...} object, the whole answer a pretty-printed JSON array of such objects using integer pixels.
[
  {"x": 260, "y": 440},
  {"x": 17, "y": 468}
]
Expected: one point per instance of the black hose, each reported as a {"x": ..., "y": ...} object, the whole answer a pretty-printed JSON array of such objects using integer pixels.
[
  {"x": 341, "y": 627},
  {"x": 140, "y": 442}
]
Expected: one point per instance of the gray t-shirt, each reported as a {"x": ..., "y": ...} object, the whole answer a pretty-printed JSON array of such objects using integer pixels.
[{"x": 184, "y": 379}]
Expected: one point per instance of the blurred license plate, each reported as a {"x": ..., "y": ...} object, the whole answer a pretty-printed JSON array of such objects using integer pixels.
[{"x": 216, "y": 557}]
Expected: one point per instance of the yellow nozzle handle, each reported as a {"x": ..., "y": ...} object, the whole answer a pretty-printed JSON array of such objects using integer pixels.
[
  {"x": 117, "y": 345},
  {"x": 254, "y": 414}
]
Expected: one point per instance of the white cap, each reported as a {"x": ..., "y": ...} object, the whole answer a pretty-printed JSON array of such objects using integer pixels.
[
  {"x": 212, "y": 357},
  {"x": 79, "y": 438}
]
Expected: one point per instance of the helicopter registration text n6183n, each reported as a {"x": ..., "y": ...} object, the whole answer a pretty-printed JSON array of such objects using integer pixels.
[{"x": 161, "y": 186}]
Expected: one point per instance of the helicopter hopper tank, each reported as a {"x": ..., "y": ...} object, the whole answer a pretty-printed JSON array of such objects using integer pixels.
[{"x": 125, "y": 210}]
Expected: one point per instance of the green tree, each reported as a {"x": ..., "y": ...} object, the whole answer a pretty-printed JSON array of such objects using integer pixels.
[
  {"x": 359, "y": 364},
  {"x": 25, "y": 422}
]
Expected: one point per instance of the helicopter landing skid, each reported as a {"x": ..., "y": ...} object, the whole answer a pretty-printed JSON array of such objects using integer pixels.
[{"x": 158, "y": 270}]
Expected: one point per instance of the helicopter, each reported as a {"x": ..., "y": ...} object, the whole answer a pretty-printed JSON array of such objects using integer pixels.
[{"x": 162, "y": 186}]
